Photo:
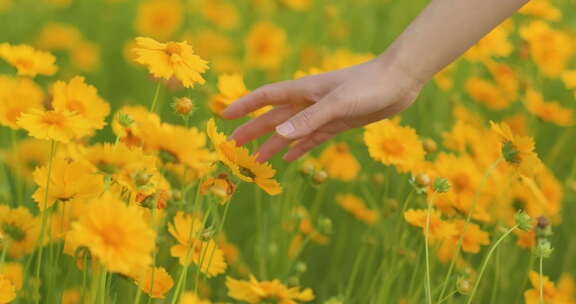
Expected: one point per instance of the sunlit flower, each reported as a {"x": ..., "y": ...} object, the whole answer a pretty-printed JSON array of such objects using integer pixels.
[
  {"x": 265, "y": 46},
  {"x": 130, "y": 121},
  {"x": 253, "y": 291},
  {"x": 115, "y": 233},
  {"x": 241, "y": 162},
  {"x": 80, "y": 98},
  {"x": 85, "y": 57},
  {"x": 339, "y": 162},
  {"x": 187, "y": 230},
  {"x": 58, "y": 125},
  {"x": 28, "y": 61},
  {"x": 159, "y": 18},
  {"x": 541, "y": 9},
  {"x": 551, "y": 293},
  {"x": 473, "y": 239},
  {"x": 221, "y": 13},
  {"x": 495, "y": 44},
  {"x": 20, "y": 228},
  {"x": 221, "y": 187},
  {"x": 357, "y": 208},
  {"x": 17, "y": 96},
  {"x": 14, "y": 272},
  {"x": 155, "y": 282},
  {"x": 165, "y": 60},
  {"x": 488, "y": 93},
  {"x": 392, "y": 144}
]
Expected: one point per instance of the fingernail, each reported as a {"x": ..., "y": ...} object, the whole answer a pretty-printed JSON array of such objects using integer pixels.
[{"x": 286, "y": 129}]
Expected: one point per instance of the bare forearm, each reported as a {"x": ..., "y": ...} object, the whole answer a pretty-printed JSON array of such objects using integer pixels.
[{"x": 443, "y": 31}]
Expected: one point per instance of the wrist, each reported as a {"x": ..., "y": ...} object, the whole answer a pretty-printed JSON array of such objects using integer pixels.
[{"x": 402, "y": 72}]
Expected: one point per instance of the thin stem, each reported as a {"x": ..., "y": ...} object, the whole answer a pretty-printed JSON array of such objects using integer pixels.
[
  {"x": 541, "y": 281},
  {"x": 465, "y": 227},
  {"x": 155, "y": 100},
  {"x": 428, "y": 284},
  {"x": 481, "y": 273},
  {"x": 45, "y": 212},
  {"x": 447, "y": 296}
]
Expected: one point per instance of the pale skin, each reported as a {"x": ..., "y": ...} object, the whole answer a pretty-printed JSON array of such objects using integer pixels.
[{"x": 313, "y": 109}]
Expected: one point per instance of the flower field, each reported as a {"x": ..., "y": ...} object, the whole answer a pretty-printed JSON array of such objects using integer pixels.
[{"x": 120, "y": 181}]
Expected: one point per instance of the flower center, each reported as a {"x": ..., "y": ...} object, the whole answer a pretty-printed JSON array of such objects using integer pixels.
[
  {"x": 392, "y": 147},
  {"x": 173, "y": 48},
  {"x": 112, "y": 237},
  {"x": 76, "y": 106},
  {"x": 15, "y": 233},
  {"x": 24, "y": 63},
  {"x": 53, "y": 118},
  {"x": 247, "y": 172},
  {"x": 510, "y": 153}
]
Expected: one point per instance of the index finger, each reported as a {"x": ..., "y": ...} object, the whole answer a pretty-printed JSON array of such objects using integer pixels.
[{"x": 289, "y": 91}]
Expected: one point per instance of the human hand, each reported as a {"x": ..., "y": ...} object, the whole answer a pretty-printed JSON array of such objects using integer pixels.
[{"x": 315, "y": 108}]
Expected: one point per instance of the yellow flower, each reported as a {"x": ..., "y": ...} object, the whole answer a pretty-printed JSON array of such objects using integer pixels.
[
  {"x": 265, "y": 46},
  {"x": 179, "y": 145},
  {"x": 159, "y": 18},
  {"x": 28, "y": 61},
  {"x": 518, "y": 151},
  {"x": 58, "y": 125},
  {"x": 86, "y": 57},
  {"x": 211, "y": 43},
  {"x": 253, "y": 291},
  {"x": 70, "y": 180},
  {"x": 339, "y": 162},
  {"x": 165, "y": 60},
  {"x": 221, "y": 187},
  {"x": 80, "y": 98},
  {"x": 551, "y": 111},
  {"x": 187, "y": 229},
  {"x": 115, "y": 233},
  {"x": 155, "y": 282},
  {"x": 192, "y": 298},
  {"x": 439, "y": 229},
  {"x": 473, "y": 238},
  {"x": 221, "y": 13},
  {"x": 7, "y": 290},
  {"x": 392, "y": 144},
  {"x": 541, "y": 9},
  {"x": 20, "y": 228},
  {"x": 550, "y": 49},
  {"x": 71, "y": 296},
  {"x": 506, "y": 78},
  {"x": 14, "y": 272},
  {"x": 17, "y": 96},
  {"x": 488, "y": 93},
  {"x": 356, "y": 207},
  {"x": 242, "y": 163},
  {"x": 551, "y": 293},
  {"x": 231, "y": 87},
  {"x": 129, "y": 122},
  {"x": 299, "y": 5},
  {"x": 58, "y": 36}
]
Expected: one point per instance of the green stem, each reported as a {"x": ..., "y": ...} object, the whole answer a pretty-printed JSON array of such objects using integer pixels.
[
  {"x": 447, "y": 296},
  {"x": 541, "y": 281},
  {"x": 155, "y": 100},
  {"x": 428, "y": 284},
  {"x": 465, "y": 227},
  {"x": 18, "y": 166},
  {"x": 44, "y": 213},
  {"x": 481, "y": 273}
]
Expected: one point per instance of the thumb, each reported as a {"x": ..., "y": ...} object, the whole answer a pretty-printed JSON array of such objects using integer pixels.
[{"x": 309, "y": 119}]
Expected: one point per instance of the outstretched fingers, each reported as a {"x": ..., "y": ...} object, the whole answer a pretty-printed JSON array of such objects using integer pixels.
[
  {"x": 306, "y": 144},
  {"x": 289, "y": 91},
  {"x": 263, "y": 124}
]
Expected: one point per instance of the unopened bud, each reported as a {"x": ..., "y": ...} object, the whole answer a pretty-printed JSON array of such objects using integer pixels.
[
  {"x": 125, "y": 120},
  {"x": 301, "y": 267},
  {"x": 543, "y": 249},
  {"x": 423, "y": 180},
  {"x": 523, "y": 220},
  {"x": 325, "y": 225},
  {"x": 307, "y": 168},
  {"x": 429, "y": 145},
  {"x": 142, "y": 178},
  {"x": 183, "y": 106},
  {"x": 207, "y": 234},
  {"x": 463, "y": 286},
  {"x": 379, "y": 178},
  {"x": 320, "y": 177}
]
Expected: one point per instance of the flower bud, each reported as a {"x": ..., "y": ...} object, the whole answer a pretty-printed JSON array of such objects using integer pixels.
[
  {"x": 207, "y": 234},
  {"x": 141, "y": 178},
  {"x": 183, "y": 106},
  {"x": 441, "y": 185},
  {"x": 429, "y": 145},
  {"x": 125, "y": 120},
  {"x": 301, "y": 267},
  {"x": 379, "y": 178},
  {"x": 307, "y": 168},
  {"x": 423, "y": 180},
  {"x": 319, "y": 177},
  {"x": 325, "y": 225},
  {"x": 463, "y": 286},
  {"x": 523, "y": 220},
  {"x": 543, "y": 249}
]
